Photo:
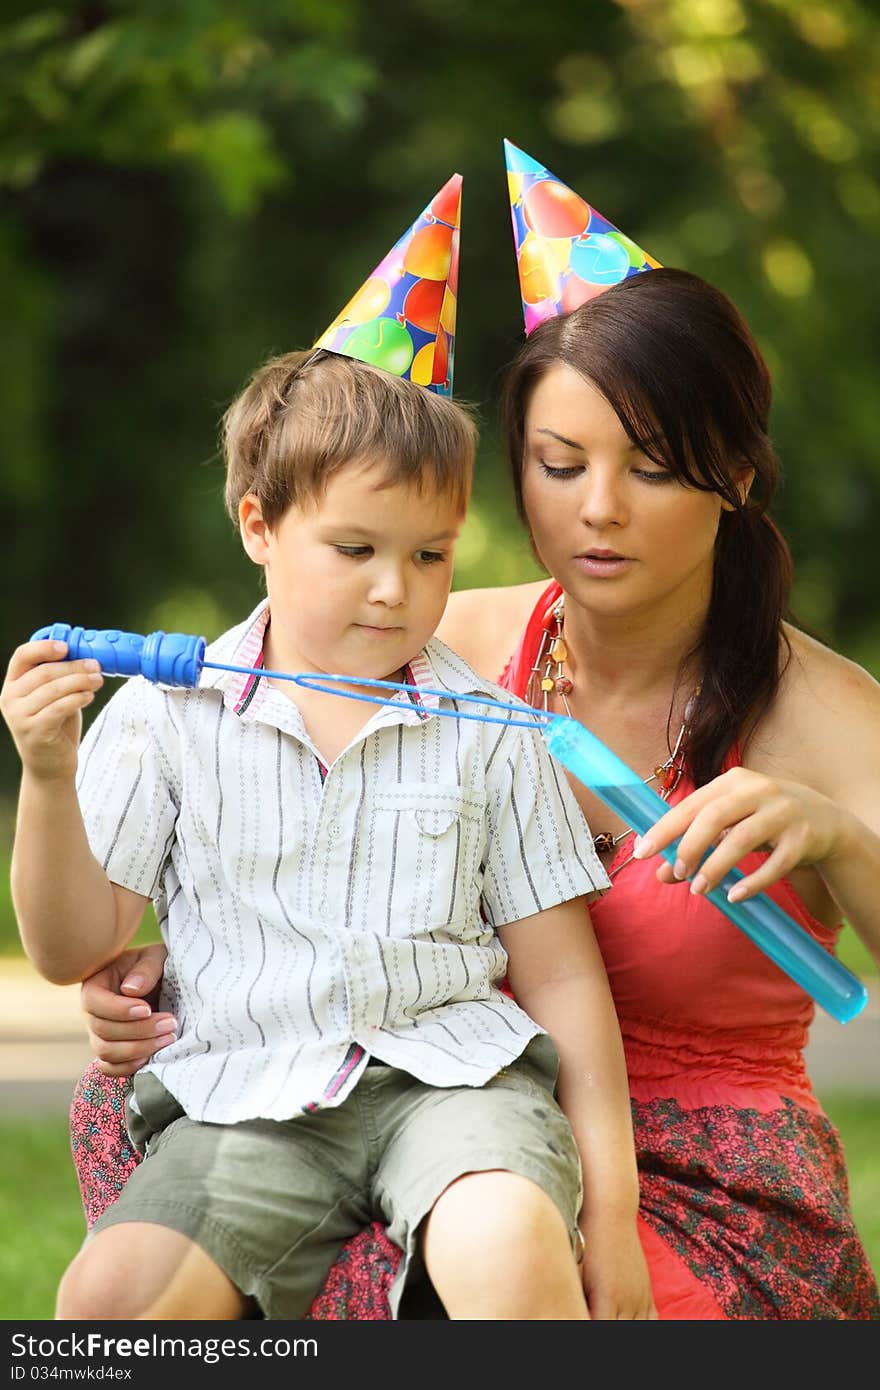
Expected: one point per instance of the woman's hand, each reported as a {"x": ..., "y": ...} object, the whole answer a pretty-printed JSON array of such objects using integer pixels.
[
  {"x": 119, "y": 1003},
  {"x": 615, "y": 1273},
  {"x": 737, "y": 813}
]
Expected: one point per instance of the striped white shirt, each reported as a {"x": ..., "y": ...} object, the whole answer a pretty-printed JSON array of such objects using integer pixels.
[{"x": 315, "y": 917}]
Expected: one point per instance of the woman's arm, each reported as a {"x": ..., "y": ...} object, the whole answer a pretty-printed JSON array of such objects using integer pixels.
[{"x": 810, "y": 793}]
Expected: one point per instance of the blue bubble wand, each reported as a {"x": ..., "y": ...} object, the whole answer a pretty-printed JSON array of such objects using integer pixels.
[{"x": 177, "y": 659}]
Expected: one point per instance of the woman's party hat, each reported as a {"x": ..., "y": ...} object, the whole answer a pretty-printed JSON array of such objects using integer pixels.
[
  {"x": 566, "y": 252},
  {"x": 403, "y": 317}
]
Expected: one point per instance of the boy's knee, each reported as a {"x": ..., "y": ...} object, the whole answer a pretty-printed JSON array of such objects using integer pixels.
[
  {"x": 91, "y": 1291},
  {"x": 139, "y": 1270},
  {"x": 495, "y": 1216},
  {"x": 496, "y": 1246}
]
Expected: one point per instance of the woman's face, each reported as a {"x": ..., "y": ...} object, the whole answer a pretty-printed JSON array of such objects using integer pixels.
[{"x": 617, "y": 531}]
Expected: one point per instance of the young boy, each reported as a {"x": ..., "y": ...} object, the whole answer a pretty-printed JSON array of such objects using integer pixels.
[{"x": 342, "y": 888}]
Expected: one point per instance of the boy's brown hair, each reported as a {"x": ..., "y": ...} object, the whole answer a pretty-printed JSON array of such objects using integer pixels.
[{"x": 304, "y": 415}]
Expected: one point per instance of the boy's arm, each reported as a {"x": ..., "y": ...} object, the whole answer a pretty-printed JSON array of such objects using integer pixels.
[
  {"x": 72, "y": 919},
  {"x": 558, "y": 977}
]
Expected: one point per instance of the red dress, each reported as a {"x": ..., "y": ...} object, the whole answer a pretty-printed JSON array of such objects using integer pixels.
[{"x": 744, "y": 1199}]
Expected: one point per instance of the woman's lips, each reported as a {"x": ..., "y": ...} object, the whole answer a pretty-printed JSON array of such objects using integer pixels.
[{"x": 602, "y": 566}]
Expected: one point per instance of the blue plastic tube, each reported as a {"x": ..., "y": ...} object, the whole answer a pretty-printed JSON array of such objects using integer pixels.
[{"x": 829, "y": 982}]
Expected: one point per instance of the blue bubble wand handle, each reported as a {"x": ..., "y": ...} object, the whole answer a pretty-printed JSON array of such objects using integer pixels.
[
  {"x": 173, "y": 658},
  {"x": 824, "y": 977}
]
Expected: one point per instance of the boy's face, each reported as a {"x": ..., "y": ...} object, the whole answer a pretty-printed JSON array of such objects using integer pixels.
[{"x": 357, "y": 580}]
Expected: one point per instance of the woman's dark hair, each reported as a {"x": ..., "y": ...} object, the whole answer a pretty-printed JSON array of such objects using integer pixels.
[{"x": 679, "y": 366}]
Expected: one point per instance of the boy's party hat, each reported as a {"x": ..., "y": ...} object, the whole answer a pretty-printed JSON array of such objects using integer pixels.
[
  {"x": 566, "y": 252},
  {"x": 403, "y": 317}
]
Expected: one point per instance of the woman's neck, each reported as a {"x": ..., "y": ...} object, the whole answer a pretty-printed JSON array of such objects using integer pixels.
[{"x": 633, "y": 656}]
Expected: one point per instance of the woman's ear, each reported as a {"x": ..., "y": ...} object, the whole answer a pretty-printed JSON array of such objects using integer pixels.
[
  {"x": 744, "y": 484},
  {"x": 743, "y": 479},
  {"x": 253, "y": 529}
]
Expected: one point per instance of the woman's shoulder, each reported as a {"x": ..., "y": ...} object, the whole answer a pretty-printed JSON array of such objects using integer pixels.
[
  {"x": 485, "y": 625},
  {"x": 818, "y": 674},
  {"x": 826, "y": 712}
]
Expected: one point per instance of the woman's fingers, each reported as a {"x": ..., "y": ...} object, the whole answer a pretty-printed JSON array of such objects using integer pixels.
[
  {"x": 145, "y": 971},
  {"x": 101, "y": 1001},
  {"x": 776, "y": 866},
  {"x": 735, "y": 815},
  {"x": 716, "y": 841},
  {"x": 128, "y": 1055},
  {"x": 121, "y": 1068},
  {"x": 136, "y": 1032},
  {"x": 720, "y": 803},
  {"x": 120, "y": 991}
]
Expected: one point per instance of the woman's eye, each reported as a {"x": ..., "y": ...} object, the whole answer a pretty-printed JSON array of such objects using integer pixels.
[
  {"x": 655, "y": 475},
  {"x": 550, "y": 472},
  {"x": 356, "y": 551}
]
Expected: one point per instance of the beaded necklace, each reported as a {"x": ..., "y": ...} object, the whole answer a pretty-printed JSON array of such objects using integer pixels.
[{"x": 544, "y": 680}]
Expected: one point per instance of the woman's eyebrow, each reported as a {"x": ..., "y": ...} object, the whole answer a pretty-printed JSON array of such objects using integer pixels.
[
  {"x": 572, "y": 444},
  {"x": 560, "y": 438}
]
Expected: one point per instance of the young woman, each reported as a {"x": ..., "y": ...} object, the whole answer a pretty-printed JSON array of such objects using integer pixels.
[{"x": 643, "y": 469}]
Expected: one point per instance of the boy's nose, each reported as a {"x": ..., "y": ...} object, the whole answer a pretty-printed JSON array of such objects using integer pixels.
[{"x": 388, "y": 588}]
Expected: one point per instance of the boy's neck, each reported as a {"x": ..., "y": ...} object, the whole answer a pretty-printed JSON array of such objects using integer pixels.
[{"x": 331, "y": 720}]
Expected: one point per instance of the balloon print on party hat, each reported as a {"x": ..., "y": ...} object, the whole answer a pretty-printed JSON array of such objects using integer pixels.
[
  {"x": 403, "y": 317},
  {"x": 566, "y": 252}
]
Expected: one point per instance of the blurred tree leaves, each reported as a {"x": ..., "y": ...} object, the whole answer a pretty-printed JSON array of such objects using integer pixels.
[
  {"x": 197, "y": 82},
  {"x": 187, "y": 187}
]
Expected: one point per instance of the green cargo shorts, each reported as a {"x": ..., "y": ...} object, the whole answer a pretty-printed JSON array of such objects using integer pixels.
[{"x": 271, "y": 1202}]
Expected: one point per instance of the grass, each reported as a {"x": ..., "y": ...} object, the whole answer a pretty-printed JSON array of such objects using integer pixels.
[
  {"x": 41, "y": 1221},
  {"x": 41, "y": 1217}
]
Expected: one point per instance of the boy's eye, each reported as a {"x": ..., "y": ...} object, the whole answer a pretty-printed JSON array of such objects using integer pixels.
[
  {"x": 357, "y": 552},
  {"x": 431, "y": 557}
]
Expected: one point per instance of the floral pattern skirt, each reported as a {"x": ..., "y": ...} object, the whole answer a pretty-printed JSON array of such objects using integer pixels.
[{"x": 746, "y": 1212}]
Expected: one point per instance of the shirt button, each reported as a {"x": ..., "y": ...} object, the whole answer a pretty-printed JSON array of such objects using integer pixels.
[{"x": 335, "y": 828}]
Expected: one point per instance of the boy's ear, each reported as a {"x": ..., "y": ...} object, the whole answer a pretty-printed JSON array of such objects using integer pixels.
[{"x": 253, "y": 528}]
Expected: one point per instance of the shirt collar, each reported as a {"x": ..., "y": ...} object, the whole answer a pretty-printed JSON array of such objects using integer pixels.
[{"x": 436, "y": 667}]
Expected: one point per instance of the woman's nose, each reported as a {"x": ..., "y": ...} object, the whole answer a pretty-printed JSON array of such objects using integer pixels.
[{"x": 601, "y": 501}]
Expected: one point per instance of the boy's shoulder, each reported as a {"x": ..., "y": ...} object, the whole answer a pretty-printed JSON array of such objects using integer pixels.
[
  {"x": 241, "y": 645},
  {"x": 136, "y": 693}
]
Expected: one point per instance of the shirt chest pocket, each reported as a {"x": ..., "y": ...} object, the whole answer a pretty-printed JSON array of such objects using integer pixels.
[{"x": 437, "y": 836}]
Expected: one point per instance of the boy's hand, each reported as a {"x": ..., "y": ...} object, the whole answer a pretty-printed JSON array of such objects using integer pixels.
[
  {"x": 118, "y": 1002},
  {"x": 615, "y": 1274},
  {"x": 42, "y": 701}
]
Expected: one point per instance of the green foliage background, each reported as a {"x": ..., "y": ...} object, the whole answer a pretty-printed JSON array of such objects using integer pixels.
[{"x": 187, "y": 186}]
